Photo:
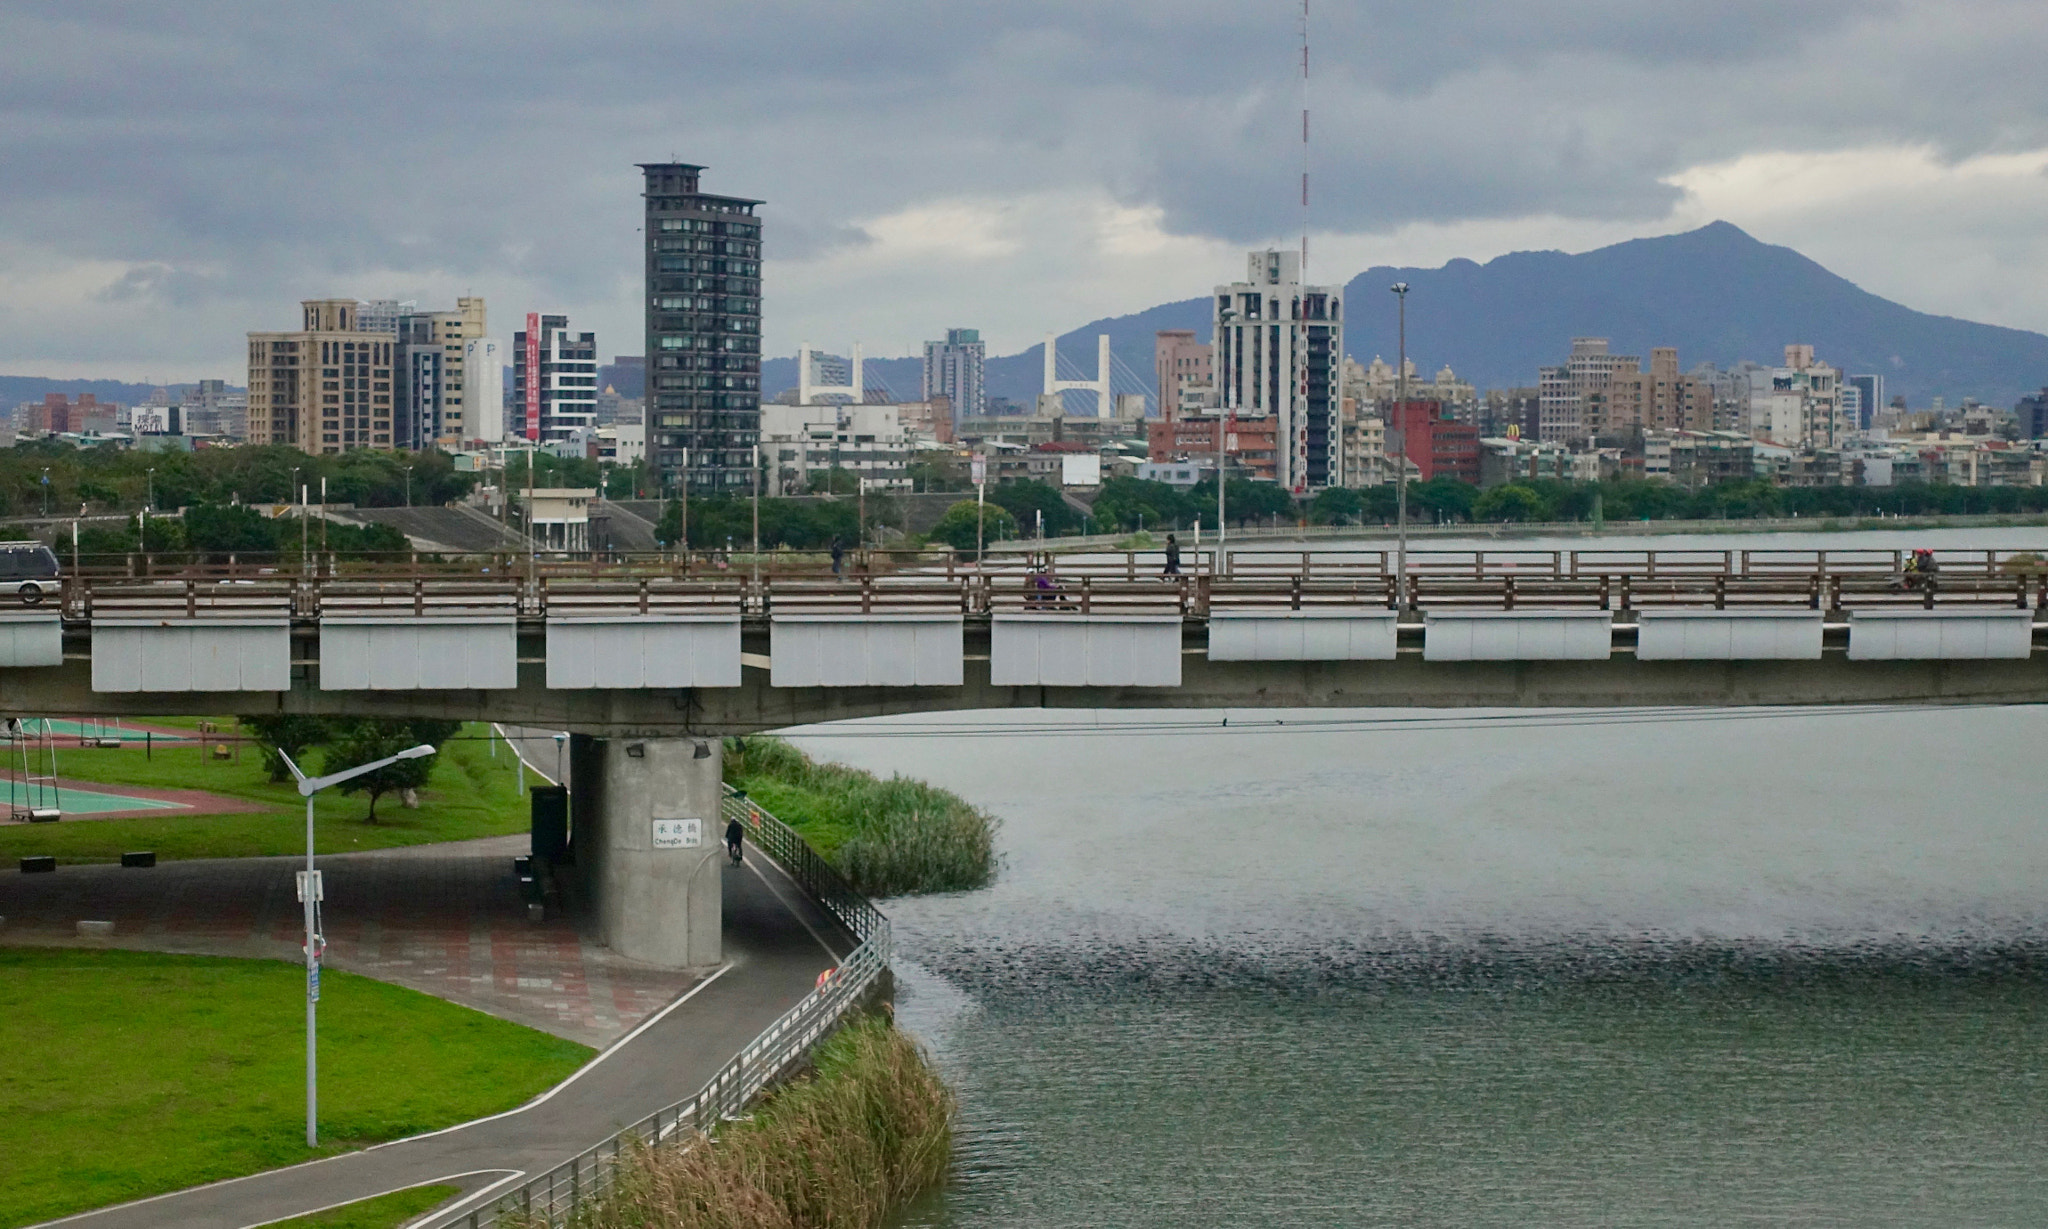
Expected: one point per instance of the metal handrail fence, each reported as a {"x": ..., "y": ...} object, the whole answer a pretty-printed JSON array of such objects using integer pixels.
[
  {"x": 552, "y": 1198},
  {"x": 1112, "y": 585}
]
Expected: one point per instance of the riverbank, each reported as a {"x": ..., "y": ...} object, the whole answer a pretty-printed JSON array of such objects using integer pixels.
[
  {"x": 843, "y": 1145},
  {"x": 889, "y": 837},
  {"x": 1468, "y": 530}
]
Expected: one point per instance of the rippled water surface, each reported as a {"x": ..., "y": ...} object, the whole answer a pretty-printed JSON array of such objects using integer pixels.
[{"x": 1490, "y": 969}]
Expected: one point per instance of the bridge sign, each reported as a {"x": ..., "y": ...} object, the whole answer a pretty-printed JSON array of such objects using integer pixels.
[{"x": 678, "y": 833}]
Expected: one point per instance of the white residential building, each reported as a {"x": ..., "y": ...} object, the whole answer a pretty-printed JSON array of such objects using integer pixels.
[
  {"x": 1279, "y": 352},
  {"x": 799, "y": 441}
]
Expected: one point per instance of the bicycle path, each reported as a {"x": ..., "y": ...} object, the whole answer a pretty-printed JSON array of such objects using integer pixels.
[{"x": 776, "y": 942}]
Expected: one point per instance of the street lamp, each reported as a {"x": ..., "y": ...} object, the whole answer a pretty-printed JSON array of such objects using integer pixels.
[
  {"x": 310, "y": 896},
  {"x": 561, "y": 738},
  {"x": 408, "y": 486},
  {"x": 46, "y": 490},
  {"x": 142, "y": 519},
  {"x": 1399, "y": 437}
]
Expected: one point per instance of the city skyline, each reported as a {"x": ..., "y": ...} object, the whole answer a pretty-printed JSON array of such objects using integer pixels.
[{"x": 1899, "y": 143}]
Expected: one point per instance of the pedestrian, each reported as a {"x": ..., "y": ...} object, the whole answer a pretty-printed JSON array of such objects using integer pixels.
[
  {"x": 838, "y": 555},
  {"x": 734, "y": 834},
  {"x": 1172, "y": 556}
]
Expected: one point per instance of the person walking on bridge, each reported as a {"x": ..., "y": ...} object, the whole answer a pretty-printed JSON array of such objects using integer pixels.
[
  {"x": 734, "y": 834},
  {"x": 838, "y": 555},
  {"x": 1172, "y": 556}
]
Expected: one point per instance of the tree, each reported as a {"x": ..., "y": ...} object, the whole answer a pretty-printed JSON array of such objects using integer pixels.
[
  {"x": 229, "y": 528},
  {"x": 363, "y": 742},
  {"x": 1027, "y": 499},
  {"x": 957, "y": 527},
  {"x": 1513, "y": 502},
  {"x": 1336, "y": 505},
  {"x": 290, "y": 733}
]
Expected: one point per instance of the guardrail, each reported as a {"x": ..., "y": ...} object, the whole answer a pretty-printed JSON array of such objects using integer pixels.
[
  {"x": 552, "y": 1198},
  {"x": 1125, "y": 583}
]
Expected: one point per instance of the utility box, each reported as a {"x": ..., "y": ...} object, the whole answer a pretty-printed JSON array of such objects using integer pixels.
[{"x": 551, "y": 824}]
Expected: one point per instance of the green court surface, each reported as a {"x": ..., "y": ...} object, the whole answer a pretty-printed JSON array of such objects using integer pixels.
[
  {"x": 80, "y": 801},
  {"x": 95, "y": 729}
]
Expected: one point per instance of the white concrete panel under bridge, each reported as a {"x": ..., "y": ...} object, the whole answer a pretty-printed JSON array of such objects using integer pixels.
[{"x": 652, "y": 646}]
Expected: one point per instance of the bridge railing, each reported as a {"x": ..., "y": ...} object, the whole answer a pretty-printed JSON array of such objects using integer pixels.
[
  {"x": 553, "y": 1198},
  {"x": 1112, "y": 584}
]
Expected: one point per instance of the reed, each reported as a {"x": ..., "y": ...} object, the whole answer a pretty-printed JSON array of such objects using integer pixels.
[
  {"x": 888, "y": 837},
  {"x": 840, "y": 1146}
]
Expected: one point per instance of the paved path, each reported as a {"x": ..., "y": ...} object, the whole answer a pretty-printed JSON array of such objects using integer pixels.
[
  {"x": 444, "y": 919},
  {"x": 776, "y": 941}
]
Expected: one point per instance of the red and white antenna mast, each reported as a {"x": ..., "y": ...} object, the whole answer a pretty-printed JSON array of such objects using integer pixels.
[{"x": 1304, "y": 142}]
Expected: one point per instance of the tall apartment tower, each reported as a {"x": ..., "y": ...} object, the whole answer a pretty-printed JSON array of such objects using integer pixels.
[
  {"x": 1568, "y": 394},
  {"x": 703, "y": 333},
  {"x": 1279, "y": 353},
  {"x": 1184, "y": 366},
  {"x": 554, "y": 380},
  {"x": 325, "y": 388},
  {"x": 953, "y": 368},
  {"x": 431, "y": 389}
]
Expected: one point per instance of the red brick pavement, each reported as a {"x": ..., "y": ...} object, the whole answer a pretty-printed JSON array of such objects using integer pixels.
[{"x": 444, "y": 919}]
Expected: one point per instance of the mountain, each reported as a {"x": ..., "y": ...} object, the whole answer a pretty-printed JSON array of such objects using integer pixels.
[
  {"x": 1716, "y": 293},
  {"x": 16, "y": 389}
]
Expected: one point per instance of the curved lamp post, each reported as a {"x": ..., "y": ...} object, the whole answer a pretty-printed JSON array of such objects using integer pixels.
[{"x": 310, "y": 895}]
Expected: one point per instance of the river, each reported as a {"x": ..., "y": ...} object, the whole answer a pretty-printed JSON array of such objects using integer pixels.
[{"x": 1491, "y": 968}]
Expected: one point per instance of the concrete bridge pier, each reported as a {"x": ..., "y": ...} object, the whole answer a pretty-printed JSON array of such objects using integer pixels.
[{"x": 647, "y": 839}]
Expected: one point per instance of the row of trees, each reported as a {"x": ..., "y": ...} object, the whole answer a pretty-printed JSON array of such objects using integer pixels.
[
  {"x": 107, "y": 477},
  {"x": 213, "y": 531},
  {"x": 345, "y": 742}
]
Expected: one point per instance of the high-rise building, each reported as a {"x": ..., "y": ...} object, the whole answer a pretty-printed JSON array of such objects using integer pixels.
[
  {"x": 1869, "y": 400},
  {"x": 1185, "y": 369},
  {"x": 1630, "y": 401},
  {"x": 1564, "y": 392},
  {"x": 953, "y": 369},
  {"x": 703, "y": 332},
  {"x": 2032, "y": 413},
  {"x": 483, "y": 402},
  {"x": 1279, "y": 352},
  {"x": 325, "y": 388},
  {"x": 1799, "y": 403},
  {"x": 554, "y": 380},
  {"x": 210, "y": 407},
  {"x": 431, "y": 392},
  {"x": 382, "y": 315}
]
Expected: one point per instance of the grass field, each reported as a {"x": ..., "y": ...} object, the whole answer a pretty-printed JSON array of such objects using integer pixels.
[
  {"x": 127, "y": 1074},
  {"x": 383, "y": 1212},
  {"x": 471, "y": 794}
]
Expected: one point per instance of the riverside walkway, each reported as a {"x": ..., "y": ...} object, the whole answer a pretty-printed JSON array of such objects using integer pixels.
[{"x": 776, "y": 942}]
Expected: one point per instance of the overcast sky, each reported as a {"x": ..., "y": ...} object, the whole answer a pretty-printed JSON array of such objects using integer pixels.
[{"x": 173, "y": 175}]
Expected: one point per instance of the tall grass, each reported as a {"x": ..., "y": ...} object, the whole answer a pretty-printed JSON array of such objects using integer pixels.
[
  {"x": 888, "y": 837},
  {"x": 870, "y": 1127}
]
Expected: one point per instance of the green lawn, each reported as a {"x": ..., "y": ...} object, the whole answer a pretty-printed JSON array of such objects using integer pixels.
[
  {"x": 383, "y": 1212},
  {"x": 128, "y": 1074},
  {"x": 471, "y": 794}
]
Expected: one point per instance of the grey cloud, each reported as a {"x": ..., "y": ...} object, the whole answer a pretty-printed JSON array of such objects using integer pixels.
[{"x": 291, "y": 147}]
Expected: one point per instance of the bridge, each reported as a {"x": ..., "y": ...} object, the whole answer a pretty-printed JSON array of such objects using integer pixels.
[{"x": 650, "y": 660}]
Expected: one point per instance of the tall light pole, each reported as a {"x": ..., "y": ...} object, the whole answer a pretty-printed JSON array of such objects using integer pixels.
[
  {"x": 148, "y": 501},
  {"x": 408, "y": 486},
  {"x": 1223, "y": 319},
  {"x": 46, "y": 490},
  {"x": 310, "y": 896},
  {"x": 1399, "y": 436}
]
